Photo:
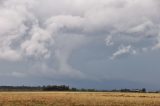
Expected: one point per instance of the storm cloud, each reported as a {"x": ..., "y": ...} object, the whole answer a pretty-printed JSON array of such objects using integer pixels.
[{"x": 46, "y": 35}]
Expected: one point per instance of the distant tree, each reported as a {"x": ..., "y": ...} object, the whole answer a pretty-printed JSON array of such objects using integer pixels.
[
  {"x": 143, "y": 89},
  {"x": 56, "y": 88},
  {"x": 91, "y": 90},
  {"x": 125, "y": 90},
  {"x": 83, "y": 90},
  {"x": 74, "y": 89}
]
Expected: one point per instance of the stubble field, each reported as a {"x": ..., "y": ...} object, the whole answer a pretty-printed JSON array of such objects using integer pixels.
[{"x": 78, "y": 99}]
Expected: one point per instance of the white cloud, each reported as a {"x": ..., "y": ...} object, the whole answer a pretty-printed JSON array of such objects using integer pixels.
[
  {"x": 8, "y": 54},
  {"x": 33, "y": 21},
  {"x": 109, "y": 41},
  {"x": 123, "y": 50},
  {"x": 18, "y": 74},
  {"x": 53, "y": 29},
  {"x": 37, "y": 44},
  {"x": 157, "y": 45}
]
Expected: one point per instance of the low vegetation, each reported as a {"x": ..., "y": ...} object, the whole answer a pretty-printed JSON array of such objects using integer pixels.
[{"x": 78, "y": 99}]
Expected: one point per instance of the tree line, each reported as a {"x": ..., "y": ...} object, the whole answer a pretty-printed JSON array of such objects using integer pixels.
[{"x": 63, "y": 88}]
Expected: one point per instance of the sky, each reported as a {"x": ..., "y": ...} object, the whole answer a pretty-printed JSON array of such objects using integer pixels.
[{"x": 102, "y": 44}]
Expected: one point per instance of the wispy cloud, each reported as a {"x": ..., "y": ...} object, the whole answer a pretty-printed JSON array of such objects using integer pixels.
[{"x": 123, "y": 50}]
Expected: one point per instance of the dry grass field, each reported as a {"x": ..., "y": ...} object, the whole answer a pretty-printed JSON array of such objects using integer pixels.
[{"x": 78, "y": 99}]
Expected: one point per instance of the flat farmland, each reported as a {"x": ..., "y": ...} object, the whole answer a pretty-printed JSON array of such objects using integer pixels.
[{"x": 78, "y": 99}]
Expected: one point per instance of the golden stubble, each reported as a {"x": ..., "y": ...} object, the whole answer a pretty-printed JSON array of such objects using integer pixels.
[{"x": 78, "y": 99}]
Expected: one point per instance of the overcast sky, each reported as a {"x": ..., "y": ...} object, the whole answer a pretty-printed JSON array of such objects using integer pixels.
[{"x": 84, "y": 43}]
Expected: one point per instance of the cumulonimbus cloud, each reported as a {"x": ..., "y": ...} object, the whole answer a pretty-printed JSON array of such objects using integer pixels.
[{"x": 52, "y": 29}]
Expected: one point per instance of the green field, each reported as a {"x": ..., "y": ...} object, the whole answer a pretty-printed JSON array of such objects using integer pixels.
[{"x": 78, "y": 99}]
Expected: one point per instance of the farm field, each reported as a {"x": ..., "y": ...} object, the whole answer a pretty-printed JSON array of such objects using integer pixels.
[{"x": 78, "y": 99}]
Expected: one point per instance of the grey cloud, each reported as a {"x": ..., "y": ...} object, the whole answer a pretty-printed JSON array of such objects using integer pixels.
[{"x": 51, "y": 30}]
